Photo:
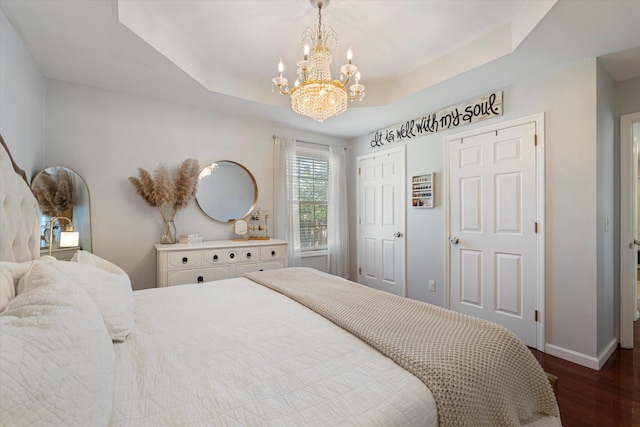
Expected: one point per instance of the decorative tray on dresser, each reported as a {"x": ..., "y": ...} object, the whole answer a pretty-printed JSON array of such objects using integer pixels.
[{"x": 181, "y": 264}]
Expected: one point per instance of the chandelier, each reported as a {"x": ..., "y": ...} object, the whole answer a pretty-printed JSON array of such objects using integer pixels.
[{"x": 314, "y": 93}]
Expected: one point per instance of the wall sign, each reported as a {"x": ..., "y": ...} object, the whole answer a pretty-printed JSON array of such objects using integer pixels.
[{"x": 466, "y": 113}]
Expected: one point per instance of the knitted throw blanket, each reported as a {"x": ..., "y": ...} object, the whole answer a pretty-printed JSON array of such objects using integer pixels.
[{"x": 479, "y": 373}]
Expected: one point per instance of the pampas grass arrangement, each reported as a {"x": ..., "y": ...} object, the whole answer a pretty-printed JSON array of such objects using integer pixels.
[
  {"x": 165, "y": 193},
  {"x": 53, "y": 192}
]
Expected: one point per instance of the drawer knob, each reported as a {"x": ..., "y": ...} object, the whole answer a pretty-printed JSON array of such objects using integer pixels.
[
  {"x": 273, "y": 253},
  {"x": 262, "y": 269},
  {"x": 215, "y": 257},
  {"x": 232, "y": 255},
  {"x": 185, "y": 260},
  {"x": 248, "y": 255},
  {"x": 200, "y": 279}
]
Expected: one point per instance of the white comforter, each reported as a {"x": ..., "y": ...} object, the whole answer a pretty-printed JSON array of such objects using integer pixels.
[{"x": 232, "y": 352}]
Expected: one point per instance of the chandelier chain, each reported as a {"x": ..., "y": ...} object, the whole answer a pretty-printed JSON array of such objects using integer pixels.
[{"x": 319, "y": 24}]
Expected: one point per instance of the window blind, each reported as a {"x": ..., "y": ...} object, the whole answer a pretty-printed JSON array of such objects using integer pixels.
[{"x": 312, "y": 174}]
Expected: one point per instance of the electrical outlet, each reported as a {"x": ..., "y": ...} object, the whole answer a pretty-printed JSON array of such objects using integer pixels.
[{"x": 432, "y": 285}]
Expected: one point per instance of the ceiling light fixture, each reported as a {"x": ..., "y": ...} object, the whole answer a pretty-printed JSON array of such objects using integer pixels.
[{"x": 315, "y": 94}]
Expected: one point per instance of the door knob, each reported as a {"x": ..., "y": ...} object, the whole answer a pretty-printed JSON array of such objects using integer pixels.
[
  {"x": 397, "y": 234},
  {"x": 454, "y": 240}
]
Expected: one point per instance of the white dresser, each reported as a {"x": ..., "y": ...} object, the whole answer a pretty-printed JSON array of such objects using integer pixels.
[{"x": 181, "y": 264}]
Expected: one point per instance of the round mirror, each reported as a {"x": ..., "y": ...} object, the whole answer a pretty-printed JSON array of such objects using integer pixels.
[
  {"x": 227, "y": 191},
  {"x": 62, "y": 192}
]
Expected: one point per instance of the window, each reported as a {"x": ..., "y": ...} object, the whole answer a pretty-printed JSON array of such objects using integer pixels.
[{"x": 312, "y": 175}]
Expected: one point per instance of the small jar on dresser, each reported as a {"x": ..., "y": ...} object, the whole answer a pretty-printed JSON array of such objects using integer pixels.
[{"x": 182, "y": 264}]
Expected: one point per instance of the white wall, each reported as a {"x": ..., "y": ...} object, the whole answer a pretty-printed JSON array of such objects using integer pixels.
[
  {"x": 22, "y": 100},
  {"x": 105, "y": 136},
  {"x": 568, "y": 99}
]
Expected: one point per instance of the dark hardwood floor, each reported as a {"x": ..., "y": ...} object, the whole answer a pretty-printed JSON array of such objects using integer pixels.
[{"x": 609, "y": 397}]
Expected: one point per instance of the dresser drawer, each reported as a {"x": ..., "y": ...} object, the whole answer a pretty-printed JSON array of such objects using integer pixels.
[
  {"x": 273, "y": 252},
  {"x": 258, "y": 266},
  {"x": 224, "y": 256},
  {"x": 184, "y": 263},
  {"x": 180, "y": 260},
  {"x": 183, "y": 277}
]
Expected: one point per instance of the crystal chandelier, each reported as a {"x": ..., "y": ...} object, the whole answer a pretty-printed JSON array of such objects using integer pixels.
[{"x": 314, "y": 93}]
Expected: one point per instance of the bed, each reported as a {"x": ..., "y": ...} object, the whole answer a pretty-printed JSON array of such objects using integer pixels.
[{"x": 290, "y": 347}]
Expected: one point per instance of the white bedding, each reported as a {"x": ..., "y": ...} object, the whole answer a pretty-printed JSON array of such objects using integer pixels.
[
  {"x": 56, "y": 356},
  {"x": 223, "y": 353},
  {"x": 236, "y": 353}
]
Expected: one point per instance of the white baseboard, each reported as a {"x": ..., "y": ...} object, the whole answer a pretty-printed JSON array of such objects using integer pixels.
[
  {"x": 607, "y": 352},
  {"x": 582, "y": 359}
]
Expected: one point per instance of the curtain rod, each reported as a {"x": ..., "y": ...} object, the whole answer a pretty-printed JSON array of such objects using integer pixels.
[{"x": 309, "y": 142}]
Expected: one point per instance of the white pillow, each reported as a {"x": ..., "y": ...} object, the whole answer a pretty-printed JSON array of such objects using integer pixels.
[
  {"x": 109, "y": 287},
  {"x": 56, "y": 357},
  {"x": 10, "y": 275},
  {"x": 7, "y": 285},
  {"x": 85, "y": 257}
]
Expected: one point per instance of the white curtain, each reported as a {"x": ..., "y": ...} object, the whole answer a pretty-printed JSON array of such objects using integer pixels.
[
  {"x": 285, "y": 189},
  {"x": 337, "y": 215}
]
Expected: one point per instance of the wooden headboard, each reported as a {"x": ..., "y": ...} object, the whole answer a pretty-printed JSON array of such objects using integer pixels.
[{"x": 19, "y": 212}]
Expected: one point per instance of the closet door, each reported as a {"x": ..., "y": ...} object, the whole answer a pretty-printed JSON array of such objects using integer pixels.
[
  {"x": 493, "y": 226},
  {"x": 381, "y": 222}
]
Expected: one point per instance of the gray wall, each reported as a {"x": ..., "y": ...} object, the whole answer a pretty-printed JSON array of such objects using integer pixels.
[
  {"x": 576, "y": 270},
  {"x": 626, "y": 101},
  {"x": 105, "y": 136},
  {"x": 607, "y": 220},
  {"x": 627, "y": 97},
  {"x": 22, "y": 100}
]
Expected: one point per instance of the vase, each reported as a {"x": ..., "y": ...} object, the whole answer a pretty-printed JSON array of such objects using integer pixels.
[{"x": 168, "y": 233}]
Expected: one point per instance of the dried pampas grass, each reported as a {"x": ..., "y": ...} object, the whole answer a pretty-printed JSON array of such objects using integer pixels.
[
  {"x": 186, "y": 183},
  {"x": 165, "y": 193},
  {"x": 54, "y": 192}
]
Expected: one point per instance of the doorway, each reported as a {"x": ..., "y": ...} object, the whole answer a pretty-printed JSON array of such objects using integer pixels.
[
  {"x": 381, "y": 221},
  {"x": 495, "y": 212},
  {"x": 629, "y": 239}
]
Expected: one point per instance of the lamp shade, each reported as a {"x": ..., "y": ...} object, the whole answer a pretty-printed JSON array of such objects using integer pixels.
[{"x": 69, "y": 239}]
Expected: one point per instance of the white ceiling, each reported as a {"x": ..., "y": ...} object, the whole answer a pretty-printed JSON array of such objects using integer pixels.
[
  {"x": 268, "y": 30},
  {"x": 415, "y": 56}
]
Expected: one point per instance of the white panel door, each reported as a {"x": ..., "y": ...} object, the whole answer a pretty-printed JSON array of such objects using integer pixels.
[
  {"x": 381, "y": 245},
  {"x": 629, "y": 224},
  {"x": 493, "y": 214}
]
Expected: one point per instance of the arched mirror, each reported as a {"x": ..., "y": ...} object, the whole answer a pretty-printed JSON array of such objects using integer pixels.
[
  {"x": 227, "y": 191},
  {"x": 62, "y": 192}
]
